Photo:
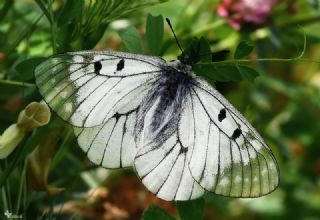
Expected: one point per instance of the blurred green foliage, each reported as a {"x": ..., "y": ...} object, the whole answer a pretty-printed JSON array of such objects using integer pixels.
[{"x": 281, "y": 98}]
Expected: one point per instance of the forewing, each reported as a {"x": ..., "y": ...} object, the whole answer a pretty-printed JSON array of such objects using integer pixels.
[
  {"x": 110, "y": 144},
  {"x": 228, "y": 156},
  {"x": 88, "y": 88}
]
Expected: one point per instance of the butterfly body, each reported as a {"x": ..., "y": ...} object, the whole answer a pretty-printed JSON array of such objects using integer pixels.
[{"x": 180, "y": 135}]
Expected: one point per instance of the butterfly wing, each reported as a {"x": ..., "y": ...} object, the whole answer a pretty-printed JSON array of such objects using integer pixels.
[
  {"x": 99, "y": 93},
  {"x": 209, "y": 147},
  {"x": 228, "y": 156},
  {"x": 88, "y": 88},
  {"x": 110, "y": 144}
]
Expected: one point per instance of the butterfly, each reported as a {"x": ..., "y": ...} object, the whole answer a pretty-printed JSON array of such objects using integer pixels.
[{"x": 180, "y": 135}]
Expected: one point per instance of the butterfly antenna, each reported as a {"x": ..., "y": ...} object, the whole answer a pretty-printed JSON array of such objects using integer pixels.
[{"x": 175, "y": 37}]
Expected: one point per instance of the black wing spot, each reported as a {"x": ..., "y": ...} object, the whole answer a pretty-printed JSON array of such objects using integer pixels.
[
  {"x": 120, "y": 65},
  {"x": 97, "y": 67},
  {"x": 222, "y": 115},
  {"x": 236, "y": 134}
]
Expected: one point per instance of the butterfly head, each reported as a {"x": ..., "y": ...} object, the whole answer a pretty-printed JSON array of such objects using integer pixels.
[
  {"x": 186, "y": 59},
  {"x": 183, "y": 58},
  {"x": 181, "y": 66}
]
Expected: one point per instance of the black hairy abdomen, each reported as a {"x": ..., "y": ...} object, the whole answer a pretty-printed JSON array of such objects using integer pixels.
[{"x": 167, "y": 97}]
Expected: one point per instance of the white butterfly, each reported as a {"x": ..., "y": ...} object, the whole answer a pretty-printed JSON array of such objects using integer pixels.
[{"x": 180, "y": 135}]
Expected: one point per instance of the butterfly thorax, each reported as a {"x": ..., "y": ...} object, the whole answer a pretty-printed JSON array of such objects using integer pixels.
[{"x": 175, "y": 76}]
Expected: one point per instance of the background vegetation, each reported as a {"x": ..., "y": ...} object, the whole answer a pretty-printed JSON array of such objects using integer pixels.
[{"x": 48, "y": 177}]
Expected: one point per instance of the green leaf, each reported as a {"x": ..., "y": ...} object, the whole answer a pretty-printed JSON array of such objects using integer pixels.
[
  {"x": 199, "y": 50},
  {"x": 26, "y": 67},
  {"x": 115, "y": 9},
  {"x": 98, "y": 12},
  {"x": 205, "y": 72},
  {"x": 218, "y": 72},
  {"x": 220, "y": 55},
  {"x": 71, "y": 9},
  {"x": 89, "y": 41},
  {"x": 45, "y": 9},
  {"x": 191, "y": 210},
  {"x": 205, "y": 51},
  {"x": 81, "y": 24},
  {"x": 154, "y": 32},
  {"x": 243, "y": 50},
  {"x": 247, "y": 73},
  {"x": 155, "y": 212},
  {"x": 228, "y": 72},
  {"x": 131, "y": 40},
  {"x": 64, "y": 39}
]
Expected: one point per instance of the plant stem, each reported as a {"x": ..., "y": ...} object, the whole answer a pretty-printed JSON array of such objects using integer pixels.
[
  {"x": 21, "y": 187},
  {"x": 16, "y": 83},
  {"x": 53, "y": 28},
  {"x": 205, "y": 28},
  {"x": 4, "y": 199},
  {"x": 297, "y": 58},
  {"x": 303, "y": 21}
]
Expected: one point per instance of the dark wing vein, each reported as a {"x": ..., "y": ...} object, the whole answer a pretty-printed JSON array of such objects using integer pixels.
[
  {"x": 169, "y": 171},
  {"x": 85, "y": 98},
  {"x": 167, "y": 153},
  {"x": 106, "y": 145}
]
